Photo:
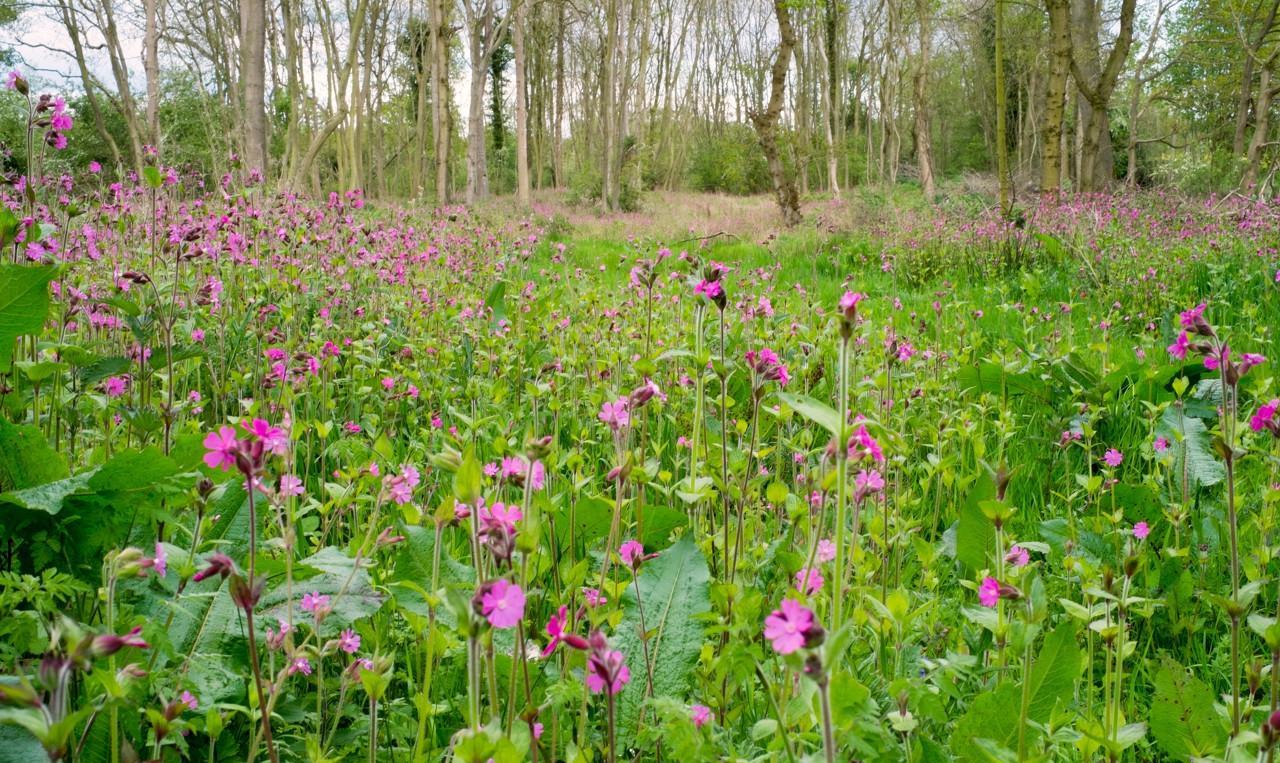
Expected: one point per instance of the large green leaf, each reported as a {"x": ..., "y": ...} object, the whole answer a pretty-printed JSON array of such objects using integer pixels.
[
  {"x": 818, "y": 412},
  {"x": 1181, "y": 718},
  {"x": 17, "y": 745},
  {"x": 976, "y": 535},
  {"x": 26, "y": 459},
  {"x": 50, "y": 496},
  {"x": 1189, "y": 434},
  {"x": 24, "y": 304},
  {"x": 346, "y": 583},
  {"x": 992, "y": 378},
  {"x": 674, "y": 590},
  {"x": 995, "y": 715}
]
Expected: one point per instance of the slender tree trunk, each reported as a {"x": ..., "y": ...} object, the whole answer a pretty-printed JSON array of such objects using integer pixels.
[
  {"x": 441, "y": 117},
  {"x": 1002, "y": 109},
  {"x": 608, "y": 104},
  {"x": 1055, "y": 94},
  {"x": 522, "y": 107},
  {"x": 1261, "y": 127},
  {"x": 151, "y": 65},
  {"x": 832, "y": 92},
  {"x": 253, "y": 41},
  {"x": 924, "y": 140},
  {"x": 766, "y": 122},
  {"x": 1244, "y": 99}
]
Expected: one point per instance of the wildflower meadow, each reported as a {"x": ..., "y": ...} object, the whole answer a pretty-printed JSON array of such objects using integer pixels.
[{"x": 303, "y": 478}]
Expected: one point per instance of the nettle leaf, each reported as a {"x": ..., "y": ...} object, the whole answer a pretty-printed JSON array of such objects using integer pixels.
[
  {"x": 50, "y": 496},
  {"x": 1190, "y": 433},
  {"x": 814, "y": 410},
  {"x": 1180, "y": 719},
  {"x": 674, "y": 591},
  {"x": 995, "y": 715},
  {"x": 24, "y": 304}
]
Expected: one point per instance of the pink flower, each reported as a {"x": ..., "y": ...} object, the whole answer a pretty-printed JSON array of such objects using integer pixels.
[
  {"x": 788, "y": 626},
  {"x": 866, "y": 483},
  {"x": 632, "y": 553},
  {"x": 593, "y": 597},
  {"x": 700, "y": 715},
  {"x": 501, "y": 515},
  {"x": 1161, "y": 444},
  {"x": 1191, "y": 319},
  {"x": 502, "y": 604},
  {"x": 708, "y": 289},
  {"x": 273, "y": 438},
  {"x": 615, "y": 414},
  {"x": 826, "y": 550},
  {"x": 221, "y": 447},
  {"x": 1113, "y": 458},
  {"x": 1180, "y": 346},
  {"x": 989, "y": 591},
  {"x": 188, "y": 699},
  {"x": 300, "y": 665},
  {"x": 115, "y": 386},
  {"x": 863, "y": 445},
  {"x": 290, "y": 485},
  {"x": 349, "y": 642},
  {"x": 1141, "y": 530},
  {"x": 1017, "y": 556},
  {"x": 1265, "y": 416},
  {"x": 555, "y": 629},
  {"x": 607, "y": 668},
  {"x": 849, "y": 304},
  {"x": 161, "y": 564},
  {"x": 314, "y": 602},
  {"x": 809, "y": 581},
  {"x": 537, "y": 730}
]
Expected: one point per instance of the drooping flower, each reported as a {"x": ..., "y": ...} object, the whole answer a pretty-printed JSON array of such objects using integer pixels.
[
  {"x": 606, "y": 668},
  {"x": 1180, "y": 346},
  {"x": 863, "y": 445},
  {"x": 867, "y": 483},
  {"x": 989, "y": 592},
  {"x": 556, "y": 629},
  {"x": 594, "y": 597},
  {"x": 849, "y": 304},
  {"x": 300, "y": 665},
  {"x": 501, "y": 515},
  {"x": 189, "y": 699},
  {"x": 161, "y": 561},
  {"x": 788, "y": 626},
  {"x": 1161, "y": 444},
  {"x": 502, "y": 603},
  {"x": 274, "y": 440}
]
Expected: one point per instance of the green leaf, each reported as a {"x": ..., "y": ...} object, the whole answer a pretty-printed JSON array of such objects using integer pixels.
[
  {"x": 976, "y": 535},
  {"x": 496, "y": 302},
  {"x": 351, "y": 592},
  {"x": 17, "y": 745},
  {"x": 50, "y": 496},
  {"x": 1189, "y": 433},
  {"x": 26, "y": 460},
  {"x": 152, "y": 177},
  {"x": 674, "y": 590},
  {"x": 659, "y": 522},
  {"x": 995, "y": 715},
  {"x": 1181, "y": 718},
  {"x": 24, "y": 304},
  {"x": 818, "y": 412}
]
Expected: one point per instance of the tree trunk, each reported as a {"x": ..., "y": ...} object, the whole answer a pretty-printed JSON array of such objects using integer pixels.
[
  {"x": 1055, "y": 94},
  {"x": 608, "y": 106},
  {"x": 1097, "y": 160},
  {"x": 832, "y": 122},
  {"x": 766, "y": 122},
  {"x": 1261, "y": 126},
  {"x": 1002, "y": 116},
  {"x": 440, "y": 111},
  {"x": 522, "y": 106},
  {"x": 253, "y": 41},
  {"x": 151, "y": 65},
  {"x": 924, "y": 140}
]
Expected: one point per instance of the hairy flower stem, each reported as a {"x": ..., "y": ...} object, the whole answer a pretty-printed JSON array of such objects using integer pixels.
[
  {"x": 828, "y": 728},
  {"x": 724, "y": 450},
  {"x": 1228, "y": 435},
  {"x": 842, "y": 487},
  {"x": 253, "y": 639},
  {"x": 611, "y": 750}
]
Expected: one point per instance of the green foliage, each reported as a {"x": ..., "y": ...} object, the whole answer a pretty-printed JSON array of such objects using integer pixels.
[
  {"x": 24, "y": 303},
  {"x": 1180, "y": 721}
]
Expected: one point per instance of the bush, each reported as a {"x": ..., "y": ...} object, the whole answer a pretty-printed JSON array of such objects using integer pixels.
[{"x": 730, "y": 162}]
